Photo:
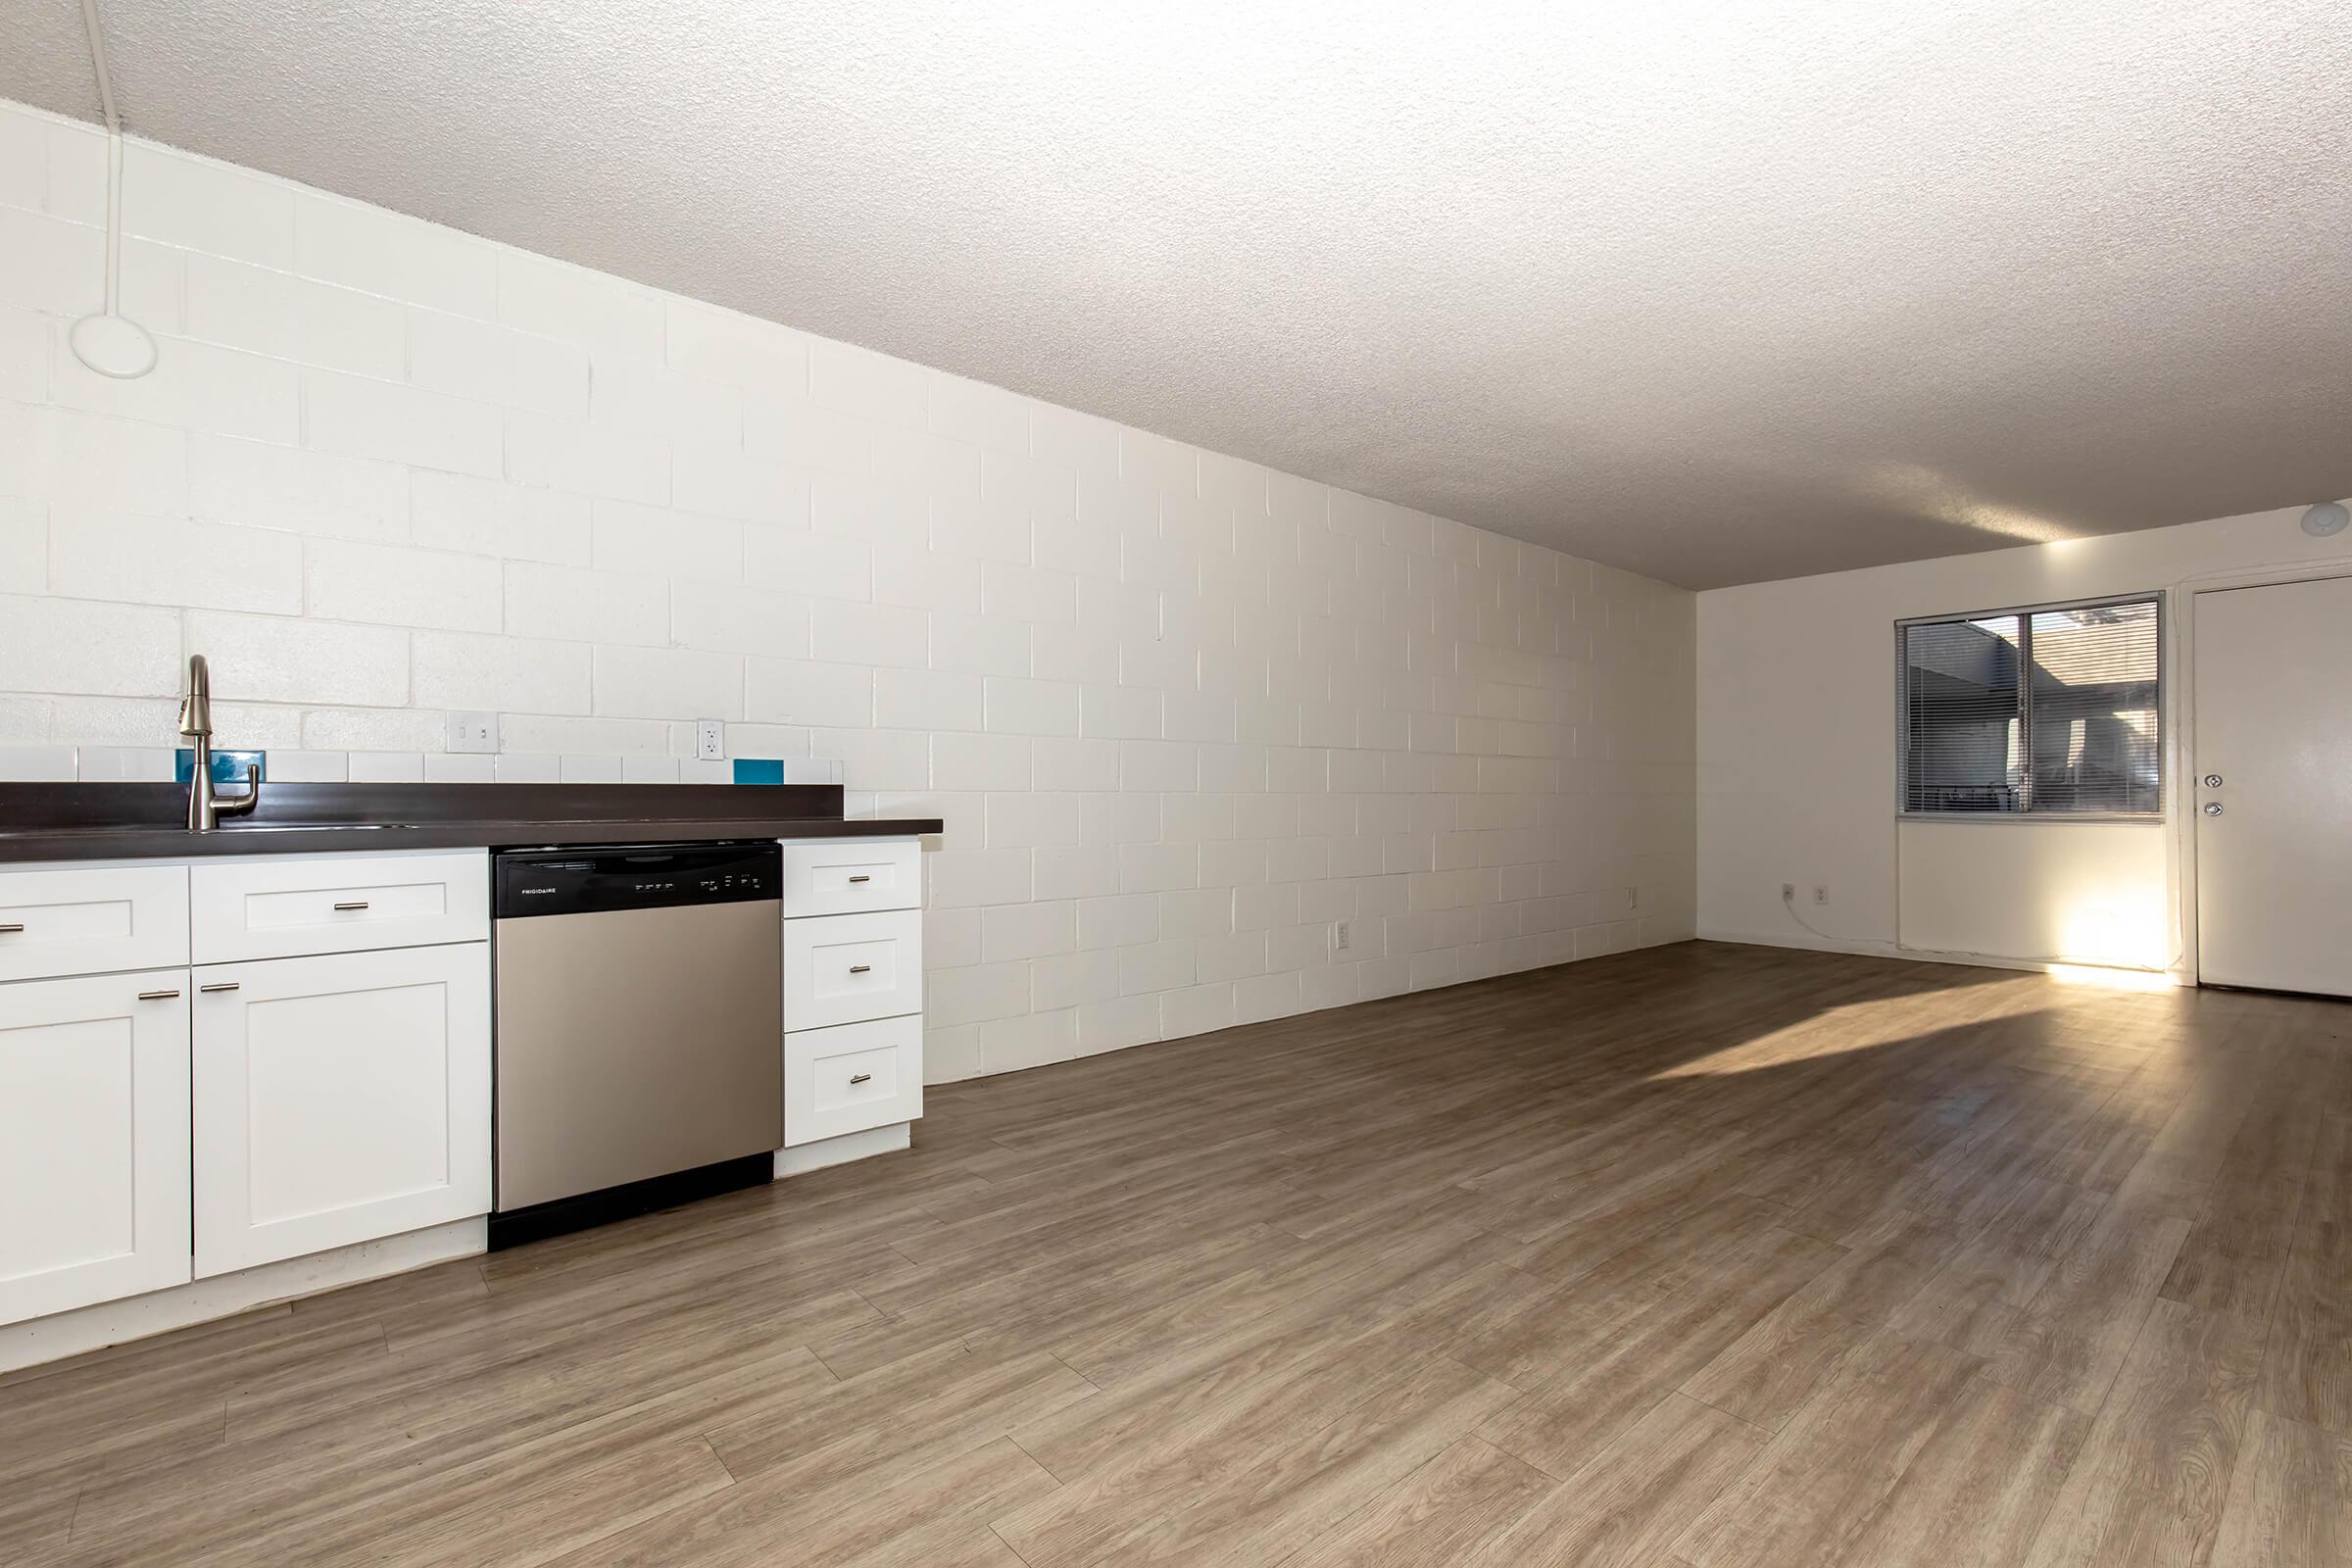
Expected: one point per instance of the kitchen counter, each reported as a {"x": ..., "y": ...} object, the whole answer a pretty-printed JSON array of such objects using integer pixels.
[{"x": 140, "y": 821}]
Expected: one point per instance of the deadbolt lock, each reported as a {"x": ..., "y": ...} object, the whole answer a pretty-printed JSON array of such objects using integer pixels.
[{"x": 2213, "y": 781}]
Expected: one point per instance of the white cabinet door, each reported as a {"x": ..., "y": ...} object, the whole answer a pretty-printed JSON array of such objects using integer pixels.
[
  {"x": 338, "y": 1100},
  {"x": 94, "y": 1139}
]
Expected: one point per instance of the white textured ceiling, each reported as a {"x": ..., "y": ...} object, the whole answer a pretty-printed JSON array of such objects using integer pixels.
[{"x": 1717, "y": 292}]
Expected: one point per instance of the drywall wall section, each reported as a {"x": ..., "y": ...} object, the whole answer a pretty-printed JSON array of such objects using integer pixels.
[
  {"x": 1797, "y": 765},
  {"x": 1185, "y": 717}
]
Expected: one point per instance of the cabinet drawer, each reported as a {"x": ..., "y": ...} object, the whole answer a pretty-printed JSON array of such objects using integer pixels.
[
  {"x": 850, "y": 876},
  {"x": 92, "y": 922},
  {"x": 292, "y": 908},
  {"x": 849, "y": 1079},
  {"x": 846, "y": 968}
]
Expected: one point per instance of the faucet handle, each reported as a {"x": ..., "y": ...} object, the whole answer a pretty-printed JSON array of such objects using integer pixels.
[{"x": 244, "y": 804}]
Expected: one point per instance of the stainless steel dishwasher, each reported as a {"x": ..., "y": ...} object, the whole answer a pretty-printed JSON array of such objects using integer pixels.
[{"x": 640, "y": 1029}]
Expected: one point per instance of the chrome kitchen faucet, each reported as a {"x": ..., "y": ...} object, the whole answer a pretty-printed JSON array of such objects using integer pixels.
[{"x": 205, "y": 809}]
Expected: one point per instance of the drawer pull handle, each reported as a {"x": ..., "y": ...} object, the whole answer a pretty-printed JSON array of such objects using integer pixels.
[
  {"x": 10, "y": 930},
  {"x": 355, "y": 903},
  {"x": 855, "y": 1078},
  {"x": 860, "y": 968},
  {"x": 221, "y": 985},
  {"x": 861, "y": 879},
  {"x": 157, "y": 996}
]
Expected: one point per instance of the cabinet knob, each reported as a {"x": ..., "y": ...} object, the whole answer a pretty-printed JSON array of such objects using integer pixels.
[
  {"x": 860, "y": 968},
  {"x": 218, "y": 985},
  {"x": 855, "y": 1078},
  {"x": 355, "y": 903},
  {"x": 157, "y": 996}
]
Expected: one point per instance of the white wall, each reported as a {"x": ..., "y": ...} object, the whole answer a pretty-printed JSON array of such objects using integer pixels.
[
  {"x": 1179, "y": 714},
  {"x": 1797, "y": 763}
]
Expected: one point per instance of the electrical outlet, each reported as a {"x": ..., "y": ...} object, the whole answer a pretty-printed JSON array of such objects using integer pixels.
[
  {"x": 1787, "y": 892},
  {"x": 1821, "y": 893},
  {"x": 710, "y": 740},
  {"x": 1339, "y": 935},
  {"x": 473, "y": 732}
]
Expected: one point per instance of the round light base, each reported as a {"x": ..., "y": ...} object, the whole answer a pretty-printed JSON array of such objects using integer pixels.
[
  {"x": 113, "y": 345},
  {"x": 2327, "y": 518}
]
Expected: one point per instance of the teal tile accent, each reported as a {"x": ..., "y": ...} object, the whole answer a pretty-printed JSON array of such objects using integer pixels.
[
  {"x": 229, "y": 768},
  {"x": 759, "y": 770}
]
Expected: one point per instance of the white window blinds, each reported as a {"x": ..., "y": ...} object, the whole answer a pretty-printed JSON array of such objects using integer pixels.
[{"x": 2045, "y": 710}]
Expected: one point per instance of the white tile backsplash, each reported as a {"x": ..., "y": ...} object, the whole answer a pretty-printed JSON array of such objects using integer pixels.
[
  {"x": 36, "y": 764},
  {"x": 386, "y": 767},
  {"x": 1179, "y": 713}
]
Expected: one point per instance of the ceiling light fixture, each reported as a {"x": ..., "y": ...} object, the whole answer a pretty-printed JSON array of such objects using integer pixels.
[
  {"x": 110, "y": 342},
  {"x": 2326, "y": 520}
]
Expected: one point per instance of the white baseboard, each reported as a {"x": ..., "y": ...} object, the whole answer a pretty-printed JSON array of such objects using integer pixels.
[
  {"x": 137, "y": 1317},
  {"x": 828, "y": 1152},
  {"x": 1809, "y": 943}
]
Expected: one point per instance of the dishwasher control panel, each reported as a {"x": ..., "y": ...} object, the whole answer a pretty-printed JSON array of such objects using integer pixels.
[{"x": 633, "y": 876}]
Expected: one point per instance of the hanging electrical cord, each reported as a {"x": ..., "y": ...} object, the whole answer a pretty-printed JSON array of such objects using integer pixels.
[{"x": 110, "y": 343}]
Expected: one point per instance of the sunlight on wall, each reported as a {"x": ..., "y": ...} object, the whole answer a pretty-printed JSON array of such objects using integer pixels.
[
  {"x": 2120, "y": 923},
  {"x": 2037, "y": 892}
]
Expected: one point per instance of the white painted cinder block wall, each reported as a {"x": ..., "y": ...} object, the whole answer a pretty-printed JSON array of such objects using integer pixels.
[
  {"x": 1797, "y": 700},
  {"x": 1179, "y": 714}
]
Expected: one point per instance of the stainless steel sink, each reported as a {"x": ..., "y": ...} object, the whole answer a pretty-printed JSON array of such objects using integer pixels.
[{"x": 321, "y": 827}]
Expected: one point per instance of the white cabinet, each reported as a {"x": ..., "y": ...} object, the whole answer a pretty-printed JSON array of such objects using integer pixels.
[
  {"x": 338, "y": 1098},
  {"x": 852, "y": 986},
  {"x": 94, "y": 1139}
]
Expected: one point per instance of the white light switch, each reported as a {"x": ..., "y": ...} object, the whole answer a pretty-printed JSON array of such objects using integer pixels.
[{"x": 473, "y": 732}]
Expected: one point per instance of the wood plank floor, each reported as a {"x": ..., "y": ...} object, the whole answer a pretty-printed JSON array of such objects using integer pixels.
[{"x": 1688, "y": 1258}]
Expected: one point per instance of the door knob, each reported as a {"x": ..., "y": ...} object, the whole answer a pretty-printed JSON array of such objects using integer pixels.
[
  {"x": 2213, "y": 807},
  {"x": 2213, "y": 781}
]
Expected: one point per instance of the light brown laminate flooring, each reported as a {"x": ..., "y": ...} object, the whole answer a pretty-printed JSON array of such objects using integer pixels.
[{"x": 1701, "y": 1256}]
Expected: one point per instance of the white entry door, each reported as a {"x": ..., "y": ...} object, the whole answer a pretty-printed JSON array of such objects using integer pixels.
[{"x": 2273, "y": 786}]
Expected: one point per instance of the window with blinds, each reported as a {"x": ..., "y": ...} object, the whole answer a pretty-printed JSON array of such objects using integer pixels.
[{"x": 2035, "y": 712}]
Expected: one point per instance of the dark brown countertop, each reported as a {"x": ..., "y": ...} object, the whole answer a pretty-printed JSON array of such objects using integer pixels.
[{"x": 141, "y": 822}]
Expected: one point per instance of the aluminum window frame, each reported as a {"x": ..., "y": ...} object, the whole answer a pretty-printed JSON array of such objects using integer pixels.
[{"x": 2024, "y": 708}]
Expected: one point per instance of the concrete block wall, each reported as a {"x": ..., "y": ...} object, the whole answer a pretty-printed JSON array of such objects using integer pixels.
[{"x": 1183, "y": 716}]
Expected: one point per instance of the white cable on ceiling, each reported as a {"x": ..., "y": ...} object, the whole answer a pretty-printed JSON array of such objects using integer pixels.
[
  {"x": 110, "y": 342},
  {"x": 106, "y": 80}
]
